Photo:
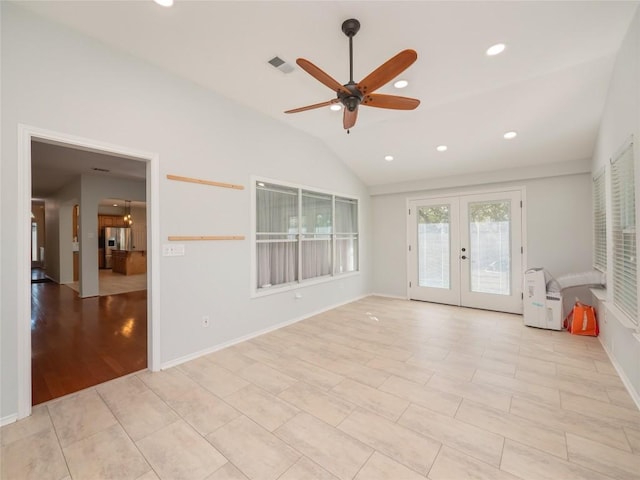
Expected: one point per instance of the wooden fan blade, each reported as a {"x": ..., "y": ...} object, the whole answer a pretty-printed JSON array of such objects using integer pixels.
[
  {"x": 311, "y": 107},
  {"x": 349, "y": 118},
  {"x": 390, "y": 101},
  {"x": 387, "y": 71},
  {"x": 321, "y": 76}
]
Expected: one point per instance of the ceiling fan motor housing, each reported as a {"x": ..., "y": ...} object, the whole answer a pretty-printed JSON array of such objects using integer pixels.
[{"x": 352, "y": 101}]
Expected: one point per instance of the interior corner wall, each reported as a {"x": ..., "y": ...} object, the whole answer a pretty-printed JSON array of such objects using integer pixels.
[
  {"x": 58, "y": 80},
  {"x": 558, "y": 228},
  {"x": 621, "y": 119}
]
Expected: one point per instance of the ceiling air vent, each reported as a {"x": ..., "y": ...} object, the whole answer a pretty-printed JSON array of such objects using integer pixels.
[{"x": 281, "y": 65}]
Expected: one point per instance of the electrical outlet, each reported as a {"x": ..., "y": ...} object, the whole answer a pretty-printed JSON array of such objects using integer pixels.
[{"x": 205, "y": 321}]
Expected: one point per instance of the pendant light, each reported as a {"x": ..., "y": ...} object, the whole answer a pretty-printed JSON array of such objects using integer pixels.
[{"x": 127, "y": 213}]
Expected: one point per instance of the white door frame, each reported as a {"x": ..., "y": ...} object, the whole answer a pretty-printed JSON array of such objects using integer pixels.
[
  {"x": 504, "y": 303},
  {"x": 456, "y": 193},
  {"x": 26, "y": 134},
  {"x": 451, "y": 294}
]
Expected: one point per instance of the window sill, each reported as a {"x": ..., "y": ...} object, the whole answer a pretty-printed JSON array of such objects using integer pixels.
[
  {"x": 264, "y": 292},
  {"x": 599, "y": 293}
]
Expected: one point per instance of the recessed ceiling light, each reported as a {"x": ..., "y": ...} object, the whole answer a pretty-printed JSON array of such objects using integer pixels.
[
  {"x": 496, "y": 49},
  {"x": 401, "y": 84},
  {"x": 336, "y": 107},
  {"x": 441, "y": 148},
  {"x": 164, "y": 3},
  {"x": 388, "y": 158},
  {"x": 510, "y": 135},
  {"x": 115, "y": 204}
]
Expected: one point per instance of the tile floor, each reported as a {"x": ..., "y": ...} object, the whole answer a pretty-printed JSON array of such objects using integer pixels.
[
  {"x": 110, "y": 283},
  {"x": 376, "y": 389}
]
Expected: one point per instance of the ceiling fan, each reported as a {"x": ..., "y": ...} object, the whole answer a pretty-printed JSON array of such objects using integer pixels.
[{"x": 352, "y": 94}]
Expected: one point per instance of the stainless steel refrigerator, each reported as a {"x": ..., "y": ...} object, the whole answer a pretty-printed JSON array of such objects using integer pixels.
[{"x": 115, "y": 239}]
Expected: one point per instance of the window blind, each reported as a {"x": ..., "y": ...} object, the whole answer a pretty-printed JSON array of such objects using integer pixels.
[
  {"x": 599, "y": 223},
  {"x": 623, "y": 224}
]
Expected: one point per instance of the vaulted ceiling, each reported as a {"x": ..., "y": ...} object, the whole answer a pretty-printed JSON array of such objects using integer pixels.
[{"x": 549, "y": 85}]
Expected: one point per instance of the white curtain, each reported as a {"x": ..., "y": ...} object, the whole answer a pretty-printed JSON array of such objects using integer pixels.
[
  {"x": 295, "y": 235},
  {"x": 277, "y": 263},
  {"x": 317, "y": 226},
  {"x": 346, "y": 223},
  {"x": 316, "y": 258},
  {"x": 276, "y": 234}
]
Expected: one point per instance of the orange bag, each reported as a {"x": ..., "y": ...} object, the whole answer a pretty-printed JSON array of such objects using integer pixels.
[{"x": 582, "y": 320}]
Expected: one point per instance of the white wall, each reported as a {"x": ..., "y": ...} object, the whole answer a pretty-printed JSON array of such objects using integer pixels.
[
  {"x": 558, "y": 223},
  {"x": 59, "y": 219},
  {"x": 620, "y": 120},
  {"x": 94, "y": 188},
  {"x": 58, "y": 80}
]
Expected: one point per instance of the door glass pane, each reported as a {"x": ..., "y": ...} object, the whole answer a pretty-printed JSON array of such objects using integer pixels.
[
  {"x": 433, "y": 246},
  {"x": 490, "y": 247}
]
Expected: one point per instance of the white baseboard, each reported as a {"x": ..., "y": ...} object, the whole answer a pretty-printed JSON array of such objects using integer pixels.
[
  {"x": 635, "y": 396},
  {"x": 235, "y": 341},
  {"x": 8, "y": 419},
  {"x": 384, "y": 295}
]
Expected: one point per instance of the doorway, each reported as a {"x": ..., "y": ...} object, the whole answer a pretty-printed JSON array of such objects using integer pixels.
[
  {"x": 466, "y": 250},
  {"x": 150, "y": 163}
]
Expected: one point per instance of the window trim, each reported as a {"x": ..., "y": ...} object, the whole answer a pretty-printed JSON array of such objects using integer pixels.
[{"x": 287, "y": 287}]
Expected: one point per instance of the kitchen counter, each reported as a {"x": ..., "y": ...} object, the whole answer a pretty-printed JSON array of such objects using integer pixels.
[{"x": 129, "y": 262}]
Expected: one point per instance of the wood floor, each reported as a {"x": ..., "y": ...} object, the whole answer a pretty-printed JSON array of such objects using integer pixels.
[
  {"x": 379, "y": 389},
  {"x": 78, "y": 343}
]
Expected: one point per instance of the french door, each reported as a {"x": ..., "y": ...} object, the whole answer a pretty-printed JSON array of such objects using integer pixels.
[{"x": 466, "y": 250}]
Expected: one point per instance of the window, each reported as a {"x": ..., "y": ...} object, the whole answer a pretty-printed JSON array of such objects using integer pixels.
[
  {"x": 599, "y": 223},
  {"x": 303, "y": 235},
  {"x": 346, "y": 235},
  {"x": 624, "y": 233}
]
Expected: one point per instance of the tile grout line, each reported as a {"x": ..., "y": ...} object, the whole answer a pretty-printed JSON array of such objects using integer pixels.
[
  {"x": 55, "y": 431},
  {"x": 125, "y": 430}
]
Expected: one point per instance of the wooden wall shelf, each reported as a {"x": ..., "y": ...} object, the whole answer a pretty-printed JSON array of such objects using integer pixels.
[
  {"x": 205, "y": 182},
  {"x": 188, "y": 238}
]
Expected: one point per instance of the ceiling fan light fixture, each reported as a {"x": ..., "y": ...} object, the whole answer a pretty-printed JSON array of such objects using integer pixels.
[
  {"x": 336, "y": 107},
  {"x": 388, "y": 158},
  {"x": 164, "y": 3},
  {"x": 510, "y": 135},
  {"x": 496, "y": 49},
  {"x": 442, "y": 148},
  {"x": 401, "y": 83}
]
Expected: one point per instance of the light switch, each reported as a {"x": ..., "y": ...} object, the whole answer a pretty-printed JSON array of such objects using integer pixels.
[{"x": 173, "y": 250}]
